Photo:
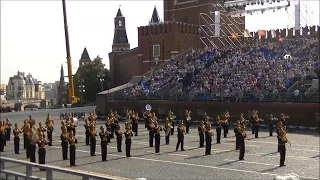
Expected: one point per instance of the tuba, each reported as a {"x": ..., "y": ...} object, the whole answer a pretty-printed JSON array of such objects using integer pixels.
[{"x": 148, "y": 107}]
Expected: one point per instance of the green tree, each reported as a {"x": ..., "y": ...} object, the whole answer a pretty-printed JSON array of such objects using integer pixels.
[{"x": 90, "y": 74}]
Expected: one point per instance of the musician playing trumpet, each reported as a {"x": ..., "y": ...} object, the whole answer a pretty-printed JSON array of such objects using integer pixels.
[
  {"x": 187, "y": 120},
  {"x": 208, "y": 135},
  {"x": 282, "y": 145},
  {"x": 135, "y": 122},
  {"x": 257, "y": 121},
  {"x": 242, "y": 136},
  {"x": 157, "y": 137},
  {"x": 93, "y": 134},
  {"x": 49, "y": 126},
  {"x": 225, "y": 124},
  {"x": 103, "y": 136},
  {"x": 201, "y": 130},
  {"x": 128, "y": 134},
  {"x": 181, "y": 132},
  {"x": 167, "y": 129}
]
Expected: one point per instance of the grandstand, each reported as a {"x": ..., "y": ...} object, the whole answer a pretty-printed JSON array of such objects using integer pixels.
[{"x": 279, "y": 68}]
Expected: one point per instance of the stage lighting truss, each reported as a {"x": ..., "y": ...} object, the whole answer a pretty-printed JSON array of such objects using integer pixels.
[{"x": 276, "y": 5}]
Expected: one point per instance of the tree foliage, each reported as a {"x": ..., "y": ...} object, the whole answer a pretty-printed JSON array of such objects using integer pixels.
[{"x": 91, "y": 73}]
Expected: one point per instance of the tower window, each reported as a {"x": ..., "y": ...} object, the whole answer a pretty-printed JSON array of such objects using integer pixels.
[{"x": 120, "y": 23}]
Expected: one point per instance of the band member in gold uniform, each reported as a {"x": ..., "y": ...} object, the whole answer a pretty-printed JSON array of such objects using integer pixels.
[
  {"x": 119, "y": 138},
  {"x": 237, "y": 134},
  {"x": 187, "y": 118},
  {"x": 167, "y": 129},
  {"x": 151, "y": 129},
  {"x": 172, "y": 119},
  {"x": 16, "y": 131},
  {"x": 25, "y": 129},
  {"x": 226, "y": 124},
  {"x": 218, "y": 129},
  {"x": 208, "y": 135},
  {"x": 103, "y": 136},
  {"x": 157, "y": 137},
  {"x": 8, "y": 133},
  {"x": 42, "y": 148},
  {"x": 50, "y": 127},
  {"x": 257, "y": 124},
  {"x": 201, "y": 130},
  {"x": 282, "y": 143},
  {"x": 64, "y": 142},
  {"x": 72, "y": 141},
  {"x": 135, "y": 122},
  {"x": 41, "y": 129},
  {"x": 242, "y": 136},
  {"x": 2, "y": 136},
  {"x": 87, "y": 132},
  {"x": 270, "y": 119},
  {"x": 128, "y": 134},
  {"x": 181, "y": 132},
  {"x": 93, "y": 134},
  {"x": 32, "y": 145}
]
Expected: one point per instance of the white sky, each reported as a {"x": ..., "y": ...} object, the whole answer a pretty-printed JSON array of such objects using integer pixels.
[{"x": 32, "y": 32}]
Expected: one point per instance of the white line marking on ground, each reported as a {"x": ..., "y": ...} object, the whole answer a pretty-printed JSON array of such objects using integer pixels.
[
  {"x": 248, "y": 162},
  {"x": 184, "y": 155}
]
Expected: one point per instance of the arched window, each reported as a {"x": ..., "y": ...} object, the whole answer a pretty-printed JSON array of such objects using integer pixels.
[{"x": 120, "y": 23}]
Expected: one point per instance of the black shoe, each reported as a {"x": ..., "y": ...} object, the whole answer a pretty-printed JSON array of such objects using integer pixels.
[
  {"x": 282, "y": 165},
  {"x": 183, "y": 150},
  {"x": 241, "y": 159}
]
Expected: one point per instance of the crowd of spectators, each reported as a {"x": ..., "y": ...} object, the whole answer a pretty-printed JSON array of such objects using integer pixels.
[
  {"x": 254, "y": 68},
  {"x": 4, "y": 109}
]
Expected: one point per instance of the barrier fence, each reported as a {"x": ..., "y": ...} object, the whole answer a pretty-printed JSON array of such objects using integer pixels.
[{"x": 49, "y": 170}]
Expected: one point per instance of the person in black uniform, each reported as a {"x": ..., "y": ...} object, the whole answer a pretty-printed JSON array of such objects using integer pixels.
[
  {"x": 237, "y": 134},
  {"x": 42, "y": 149},
  {"x": 257, "y": 124},
  {"x": 282, "y": 145},
  {"x": 135, "y": 123},
  {"x": 225, "y": 124},
  {"x": 2, "y": 136},
  {"x": 218, "y": 129},
  {"x": 16, "y": 131},
  {"x": 8, "y": 133},
  {"x": 128, "y": 134},
  {"x": 87, "y": 132},
  {"x": 270, "y": 119},
  {"x": 93, "y": 141},
  {"x": 253, "y": 125},
  {"x": 64, "y": 142},
  {"x": 103, "y": 136},
  {"x": 25, "y": 129},
  {"x": 151, "y": 129},
  {"x": 208, "y": 134},
  {"x": 201, "y": 130},
  {"x": 50, "y": 127},
  {"x": 146, "y": 116},
  {"x": 181, "y": 132},
  {"x": 242, "y": 136},
  {"x": 167, "y": 129},
  {"x": 72, "y": 141},
  {"x": 32, "y": 146},
  {"x": 280, "y": 125},
  {"x": 119, "y": 138},
  {"x": 187, "y": 118},
  {"x": 157, "y": 137}
]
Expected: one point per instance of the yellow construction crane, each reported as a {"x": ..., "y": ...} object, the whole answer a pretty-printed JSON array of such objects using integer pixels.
[{"x": 71, "y": 97}]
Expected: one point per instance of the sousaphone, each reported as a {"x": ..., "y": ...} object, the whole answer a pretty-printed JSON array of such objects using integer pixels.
[{"x": 148, "y": 107}]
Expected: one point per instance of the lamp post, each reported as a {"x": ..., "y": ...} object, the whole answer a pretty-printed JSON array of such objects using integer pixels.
[
  {"x": 81, "y": 89},
  {"x": 101, "y": 79}
]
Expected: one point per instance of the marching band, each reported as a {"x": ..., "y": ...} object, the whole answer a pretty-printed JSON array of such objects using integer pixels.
[{"x": 36, "y": 136}]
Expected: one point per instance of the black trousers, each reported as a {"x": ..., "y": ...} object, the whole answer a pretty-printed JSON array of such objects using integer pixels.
[
  {"x": 208, "y": 147},
  {"x": 237, "y": 142},
  {"x": 157, "y": 143},
  {"x": 180, "y": 141},
  {"x": 119, "y": 143},
  {"x": 135, "y": 128},
  {"x": 201, "y": 136},
  {"x": 270, "y": 130},
  {"x": 28, "y": 148},
  {"x": 49, "y": 134},
  {"x": 42, "y": 155},
  {"x": 172, "y": 129},
  {"x": 225, "y": 130},
  {"x": 25, "y": 139},
  {"x": 104, "y": 150},
  {"x": 256, "y": 131},
  {"x": 168, "y": 139},
  {"x": 112, "y": 132},
  {"x": 128, "y": 147},
  {"x": 187, "y": 127},
  {"x": 64, "y": 150},
  {"x": 5, "y": 139},
  {"x": 242, "y": 150},
  {"x": 72, "y": 155},
  {"x": 87, "y": 137},
  {"x": 278, "y": 145},
  {"x": 92, "y": 145},
  {"x": 16, "y": 141},
  {"x": 151, "y": 136},
  {"x": 253, "y": 128},
  {"x": 8, "y": 134},
  {"x": 218, "y": 130},
  {"x": 2, "y": 139},
  {"x": 32, "y": 152},
  {"x": 282, "y": 154}
]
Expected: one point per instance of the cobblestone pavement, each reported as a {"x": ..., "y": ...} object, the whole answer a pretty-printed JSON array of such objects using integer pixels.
[{"x": 261, "y": 159}]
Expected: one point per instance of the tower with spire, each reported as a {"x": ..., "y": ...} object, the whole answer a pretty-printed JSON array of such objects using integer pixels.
[
  {"x": 85, "y": 58},
  {"x": 155, "y": 17},
  {"x": 62, "y": 83},
  {"x": 120, "y": 39}
]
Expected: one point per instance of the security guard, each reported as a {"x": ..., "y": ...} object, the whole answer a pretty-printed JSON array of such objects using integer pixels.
[
  {"x": 128, "y": 134},
  {"x": 103, "y": 136},
  {"x": 16, "y": 131}
]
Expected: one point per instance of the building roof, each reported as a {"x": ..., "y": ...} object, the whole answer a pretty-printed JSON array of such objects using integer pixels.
[
  {"x": 155, "y": 16},
  {"x": 85, "y": 54},
  {"x": 119, "y": 14},
  {"x": 120, "y": 36}
]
